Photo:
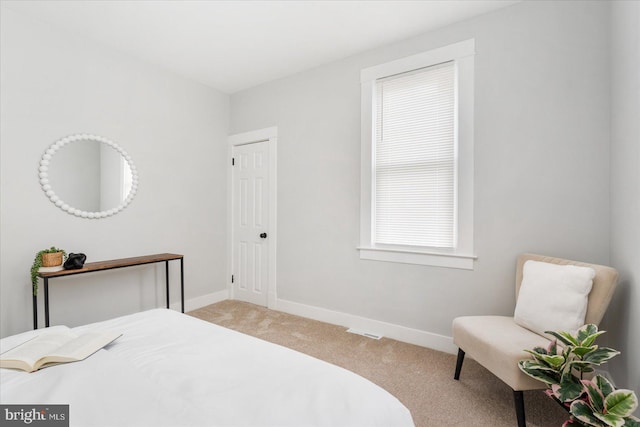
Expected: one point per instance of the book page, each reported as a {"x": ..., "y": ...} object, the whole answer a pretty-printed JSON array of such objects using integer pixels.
[
  {"x": 83, "y": 346},
  {"x": 39, "y": 346}
]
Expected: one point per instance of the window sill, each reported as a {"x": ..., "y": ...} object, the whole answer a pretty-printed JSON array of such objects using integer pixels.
[{"x": 464, "y": 262}]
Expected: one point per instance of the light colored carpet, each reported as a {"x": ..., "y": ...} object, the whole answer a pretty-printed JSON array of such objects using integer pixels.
[{"x": 422, "y": 379}]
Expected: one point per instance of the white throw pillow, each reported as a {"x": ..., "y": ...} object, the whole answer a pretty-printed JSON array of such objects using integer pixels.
[{"x": 553, "y": 297}]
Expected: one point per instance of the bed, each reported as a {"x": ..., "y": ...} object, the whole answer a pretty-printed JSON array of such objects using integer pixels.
[{"x": 170, "y": 369}]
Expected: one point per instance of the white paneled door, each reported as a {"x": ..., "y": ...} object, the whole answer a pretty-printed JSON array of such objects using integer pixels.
[{"x": 250, "y": 178}]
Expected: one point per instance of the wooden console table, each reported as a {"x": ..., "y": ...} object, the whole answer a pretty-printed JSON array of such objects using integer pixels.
[{"x": 91, "y": 267}]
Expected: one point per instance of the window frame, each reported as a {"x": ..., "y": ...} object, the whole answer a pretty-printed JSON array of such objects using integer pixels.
[{"x": 462, "y": 256}]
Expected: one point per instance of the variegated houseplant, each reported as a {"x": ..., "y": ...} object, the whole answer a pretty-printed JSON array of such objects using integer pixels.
[
  {"x": 565, "y": 368},
  {"x": 37, "y": 263}
]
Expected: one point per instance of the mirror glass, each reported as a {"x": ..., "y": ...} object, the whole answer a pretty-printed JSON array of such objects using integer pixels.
[{"x": 88, "y": 176}]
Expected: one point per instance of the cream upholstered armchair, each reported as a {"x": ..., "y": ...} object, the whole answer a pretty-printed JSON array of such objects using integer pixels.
[{"x": 498, "y": 342}]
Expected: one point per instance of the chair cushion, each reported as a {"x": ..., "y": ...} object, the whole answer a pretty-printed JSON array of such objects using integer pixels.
[
  {"x": 553, "y": 297},
  {"x": 498, "y": 343}
]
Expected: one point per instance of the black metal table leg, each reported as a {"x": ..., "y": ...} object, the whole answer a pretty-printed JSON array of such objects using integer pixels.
[
  {"x": 166, "y": 270},
  {"x": 35, "y": 311},
  {"x": 182, "y": 282},
  {"x": 46, "y": 302}
]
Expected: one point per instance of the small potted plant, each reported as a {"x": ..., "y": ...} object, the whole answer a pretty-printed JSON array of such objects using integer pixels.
[
  {"x": 568, "y": 369},
  {"x": 51, "y": 257}
]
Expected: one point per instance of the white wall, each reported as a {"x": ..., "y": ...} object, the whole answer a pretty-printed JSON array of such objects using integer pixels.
[
  {"x": 541, "y": 162},
  {"x": 624, "y": 313},
  {"x": 53, "y": 85}
]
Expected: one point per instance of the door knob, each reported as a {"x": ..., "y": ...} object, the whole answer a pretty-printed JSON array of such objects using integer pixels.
[{"x": 263, "y": 235}]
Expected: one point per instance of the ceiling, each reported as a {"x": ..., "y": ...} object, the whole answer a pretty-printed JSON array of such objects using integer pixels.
[{"x": 235, "y": 45}]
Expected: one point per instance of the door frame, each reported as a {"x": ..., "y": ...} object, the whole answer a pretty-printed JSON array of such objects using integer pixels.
[{"x": 269, "y": 135}]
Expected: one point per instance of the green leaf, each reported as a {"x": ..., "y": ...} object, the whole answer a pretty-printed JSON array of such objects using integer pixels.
[
  {"x": 532, "y": 364},
  {"x": 539, "y": 357},
  {"x": 578, "y": 364},
  {"x": 586, "y": 331},
  {"x": 591, "y": 339},
  {"x": 551, "y": 360},
  {"x": 539, "y": 372},
  {"x": 555, "y": 361},
  {"x": 564, "y": 337},
  {"x": 573, "y": 365},
  {"x": 582, "y": 412},
  {"x": 570, "y": 388},
  {"x": 600, "y": 355},
  {"x": 581, "y": 367},
  {"x": 603, "y": 384},
  {"x": 621, "y": 402},
  {"x": 610, "y": 420},
  {"x": 596, "y": 398},
  {"x": 539, "y": 350},
  {"x": 631, "y": 422},
  {"x": 581, "y": 351}
]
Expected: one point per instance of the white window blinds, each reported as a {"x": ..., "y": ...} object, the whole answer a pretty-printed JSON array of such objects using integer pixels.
[{"x": 415, "y": 159}]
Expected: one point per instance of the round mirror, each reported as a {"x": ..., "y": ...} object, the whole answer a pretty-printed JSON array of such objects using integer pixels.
[{"x": 88, "y": 176}]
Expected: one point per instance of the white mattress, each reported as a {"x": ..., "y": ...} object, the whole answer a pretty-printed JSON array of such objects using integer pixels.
[{"x": 170, "y": 369}]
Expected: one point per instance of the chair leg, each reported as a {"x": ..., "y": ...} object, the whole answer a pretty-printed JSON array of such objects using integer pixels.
[
  {"x": 518, "y": 399},
  {"x": 456, "y": 376}
]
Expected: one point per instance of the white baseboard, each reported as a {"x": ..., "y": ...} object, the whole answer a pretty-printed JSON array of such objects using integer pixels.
[
  {"x": 389, "y": 330},
  {"x": 201, "y": 301}
]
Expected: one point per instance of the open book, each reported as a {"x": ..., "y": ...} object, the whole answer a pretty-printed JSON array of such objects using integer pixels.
[{"x": 55, "y": 347}]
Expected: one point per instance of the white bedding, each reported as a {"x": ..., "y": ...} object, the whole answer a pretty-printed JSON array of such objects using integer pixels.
[{"x": 169, "y": 369}]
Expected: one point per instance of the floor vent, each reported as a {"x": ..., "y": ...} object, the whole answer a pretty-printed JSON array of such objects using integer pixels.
[{"x": 364, "y": 334}]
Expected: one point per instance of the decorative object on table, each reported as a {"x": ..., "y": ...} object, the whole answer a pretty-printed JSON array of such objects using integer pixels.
[
  {"x": 50, "y": 259},
  {"x": 75, "y": 261},
  {"x": 567, "y": 370}
]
